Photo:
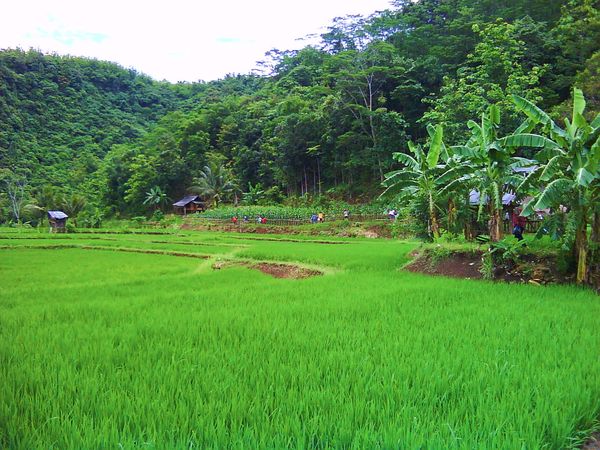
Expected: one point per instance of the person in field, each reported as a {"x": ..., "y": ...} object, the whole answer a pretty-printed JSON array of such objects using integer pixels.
[
  {"x": 263, "y": 220},
  {"x": 346, "y": 214},
  {"x": 518, "y": 223},
  {"x": 313, "y": 218},
  {"x": 321, "y": 217},
  {"x": 234, "y": 220}
]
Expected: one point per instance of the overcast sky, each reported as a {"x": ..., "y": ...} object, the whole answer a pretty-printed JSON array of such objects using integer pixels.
[{"x": 176, "y": 40}]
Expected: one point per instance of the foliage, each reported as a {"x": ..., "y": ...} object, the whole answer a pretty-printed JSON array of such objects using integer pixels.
[
  {"x": 215, "y": 183},
  {"x": 495, "y": 70},
  {"x": 323, "y": 120},
  {"x": 422, "y": 179},
  {"x": 156, "y": 198},
  {"x": 569, "y": 170}
]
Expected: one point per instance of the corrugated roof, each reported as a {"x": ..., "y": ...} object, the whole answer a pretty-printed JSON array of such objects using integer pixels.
[
  {"x": 475, "y": 198},
  {"x": 57, "y": 215},
  {"x": 185, "y": 200}
]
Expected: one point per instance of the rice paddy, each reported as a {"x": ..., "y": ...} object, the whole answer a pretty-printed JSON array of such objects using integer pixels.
[{"x": 103, "y": 345}]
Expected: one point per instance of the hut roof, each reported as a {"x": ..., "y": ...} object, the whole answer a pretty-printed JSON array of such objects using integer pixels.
[
  {"x": 475, "y": 198},
  {"x": 186, "y": 200},
  {"x": 58, "y": 215}
]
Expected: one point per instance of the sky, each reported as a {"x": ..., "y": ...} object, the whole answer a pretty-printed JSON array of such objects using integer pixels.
[{"x": 175, "y": 40}]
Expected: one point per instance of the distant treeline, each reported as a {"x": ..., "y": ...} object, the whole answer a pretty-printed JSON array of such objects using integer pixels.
[{"x": 323, "y": 120}]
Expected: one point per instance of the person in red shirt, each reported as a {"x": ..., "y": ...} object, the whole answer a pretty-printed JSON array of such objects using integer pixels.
[
  {"x": 234, "y": 220},
  {"x": 518, "y": 223},
  {"x": 263, "y": 220}
]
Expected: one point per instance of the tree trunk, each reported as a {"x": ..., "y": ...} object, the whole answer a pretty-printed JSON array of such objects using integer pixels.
[
  {"x": 468, "y": 232},
  {"x": 596, "y": 227},
  {"x": 496, "y": 225},
  {"x": 581, "y": 249},
  {"x": 451, "y": 214},
  {"x": 435, "y": 228}
]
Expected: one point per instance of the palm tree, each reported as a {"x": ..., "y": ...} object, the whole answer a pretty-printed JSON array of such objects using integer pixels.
[
  {"x": 421, "y": 177},
  {"x": 155, "y": 197},
  {"x": 73, "y": 204},
  {"x": 569, "y": 171},
  {"x": 215, "y": 182},
  {"x": 44, "y": 200}
]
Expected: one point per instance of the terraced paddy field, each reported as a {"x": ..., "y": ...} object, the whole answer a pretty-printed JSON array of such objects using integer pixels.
[{"x": 182, "y": 340}]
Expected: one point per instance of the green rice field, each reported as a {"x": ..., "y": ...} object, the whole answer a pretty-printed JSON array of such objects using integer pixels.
[{"x": 137, "y": 341}]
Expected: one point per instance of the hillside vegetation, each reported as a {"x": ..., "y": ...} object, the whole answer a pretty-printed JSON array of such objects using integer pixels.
[{"x": 322, "y": 120}]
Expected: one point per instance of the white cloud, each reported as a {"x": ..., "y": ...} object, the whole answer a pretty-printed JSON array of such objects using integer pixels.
[{"x": 180, "y": 40}]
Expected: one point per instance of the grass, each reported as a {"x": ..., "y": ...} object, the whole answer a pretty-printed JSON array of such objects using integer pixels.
[{"x": 106, "y": 349}]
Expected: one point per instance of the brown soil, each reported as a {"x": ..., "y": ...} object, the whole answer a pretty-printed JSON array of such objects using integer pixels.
[
  {"x": 458, "y": 265},
  {"x": 532, "y": 269},
  {"x": 110, "y": 249},
  {"x": 369, "y": 231},
  {"x": 287, "y": 271},
  {"x": 593, "y": 443}
]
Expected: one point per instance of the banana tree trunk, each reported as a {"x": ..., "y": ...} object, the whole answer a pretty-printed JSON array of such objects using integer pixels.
[
  {"x": 496, "y": 225},
  {"x": 435, "y": 228},
  {"x": 581, "y": 248},
  {"x": 596, "y": 227},
  {"x": 451, "y": 214}
]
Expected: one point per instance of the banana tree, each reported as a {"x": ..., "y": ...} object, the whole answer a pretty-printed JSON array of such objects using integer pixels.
[
  {"x": 569, "y": 171},
  {"x": 486, "y": 164},
  {"x": 421, "y": 176}
]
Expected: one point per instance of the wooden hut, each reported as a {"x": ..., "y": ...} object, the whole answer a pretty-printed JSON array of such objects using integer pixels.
[
  {"x": 189, "y": 204},
  {"x": 58, "y": 221}
]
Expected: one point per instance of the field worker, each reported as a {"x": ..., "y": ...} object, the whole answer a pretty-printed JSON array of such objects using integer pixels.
[
  {"x": 234, "y": 220},
  {"x": 313, "y": 218},
  {"x": 263, "y": 220},
  {"x": 346, "y": 214},
  {"x": 518, "y": 223},
  {"x": 321, "y": 217},
  {"x": 246, "y": 219}
]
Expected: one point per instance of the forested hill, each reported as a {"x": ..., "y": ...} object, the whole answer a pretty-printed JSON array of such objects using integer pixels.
[
  {"x": 322, "y": 120},
  {"x": 63, "y": 113}
]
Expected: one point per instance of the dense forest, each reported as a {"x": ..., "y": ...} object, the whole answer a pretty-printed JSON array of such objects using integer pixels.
[{"x": 322, "y": 121}]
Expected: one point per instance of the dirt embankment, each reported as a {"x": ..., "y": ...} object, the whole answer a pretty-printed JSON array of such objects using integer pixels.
[
  {"x": 344, "y": 229},
  {"x": 288, "y": 271},
  {"x": 528, "y": 268},
  {"x": 457, "y": 265}
]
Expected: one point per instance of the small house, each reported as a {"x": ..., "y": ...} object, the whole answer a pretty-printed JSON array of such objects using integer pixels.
[
  {"x": 189, "y": 204},
  {"x": 58, "y": 221}
]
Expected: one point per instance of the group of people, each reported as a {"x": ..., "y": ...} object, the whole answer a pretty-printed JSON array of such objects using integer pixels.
[
  {"x": 246, "y": 219},
  {"x": 317, "y": 218},
  {"x": 518, "y": 221}
]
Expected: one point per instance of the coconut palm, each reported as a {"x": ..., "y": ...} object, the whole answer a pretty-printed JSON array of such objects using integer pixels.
[
  {"x": 73, "y": 204},
  {"x": 215, "y": 182}
]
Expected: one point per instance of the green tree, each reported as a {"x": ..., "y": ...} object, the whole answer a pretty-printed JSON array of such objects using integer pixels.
[
  {"x": 569, "y": 171},
  {"x": 422, "y": 177},
  {"x": 487, "y": 163},
  {"x": 215, "y": 183},
  {"x": 495, "y": 70},
  {"x": 73, "y": 204},
  {"x": 156, "y": 198}
]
